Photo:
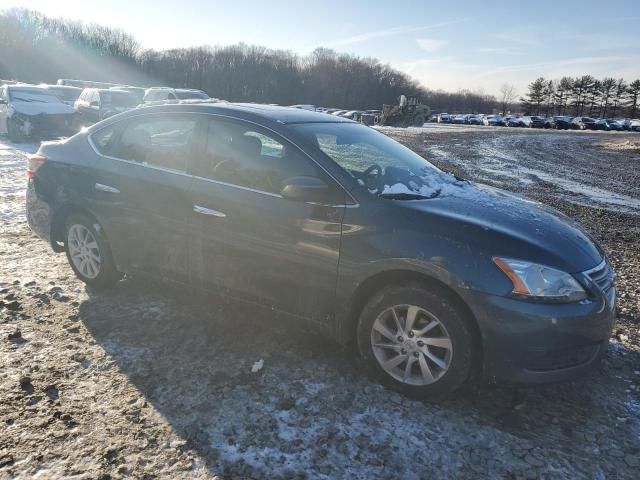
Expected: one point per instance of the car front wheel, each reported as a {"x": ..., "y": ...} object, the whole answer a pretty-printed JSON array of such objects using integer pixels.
[
  {"x": 416, "y": 341},
  {"x": 88, "y": 252},
  {"x": 13, "y": 131}
]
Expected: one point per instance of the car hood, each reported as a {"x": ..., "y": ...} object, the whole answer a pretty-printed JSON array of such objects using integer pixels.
[
  {"x": 505, "y": 224},
  {"x": 36, "y": 108}
]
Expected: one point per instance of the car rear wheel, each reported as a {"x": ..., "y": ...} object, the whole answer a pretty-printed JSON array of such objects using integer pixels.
[
  {"x": 418, "y": 121},
  {"x": 88, "y": 252},
  {"x": 416, "y": 341}
]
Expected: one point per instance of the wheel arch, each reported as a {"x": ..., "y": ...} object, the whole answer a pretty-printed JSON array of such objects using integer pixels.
[
  {"x": 59, "y": 218},
  {"x": 380, "y": 280}
]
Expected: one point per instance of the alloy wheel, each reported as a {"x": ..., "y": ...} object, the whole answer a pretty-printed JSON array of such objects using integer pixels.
[
  {"x": 411, "y": 345},
  {"x": 84, "y": 251}
]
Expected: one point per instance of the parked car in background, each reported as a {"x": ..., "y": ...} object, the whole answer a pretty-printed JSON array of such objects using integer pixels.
[
  {"x": 615, "y": 125},
  {"x": 538, "y": 121},
  {"x": 137, "y": 92},
  {"x": 255, "y": 203},
  {"x": 474, "y": 120},
  {"x": 161, "y": 95},
  {"x": 562, "y": 122},
  {"x": 576, "y": 124},
  {"x": 634, "y": 125},
  {"x": 494, "y": 120},
  {"x": 95, "y": 104},
  {"x": 588, "y": 122},
  {"x": 519, "y": 122},
  {"x": 29, "y": 111},
  {"x": 626, "y": 123},
  {"x": 444, "y": 118},
  {"x": 459, "y": 119},
  {"x": 339, "y": 113},
  {"x": 66, "y": 93},
  {"x": 352, "y": 115},
  {"x": 311, "y": 108}
]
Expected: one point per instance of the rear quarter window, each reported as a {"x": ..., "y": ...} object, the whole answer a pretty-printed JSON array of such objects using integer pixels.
[{"x": 104, "y": 140}]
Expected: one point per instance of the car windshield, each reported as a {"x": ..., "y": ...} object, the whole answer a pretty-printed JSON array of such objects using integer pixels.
[
  {"x": 377, "y": 162},
  {"x": 119, "y": 99},
  {"x": 66, "y": 94},
  {"x": 32, "y": 95}
]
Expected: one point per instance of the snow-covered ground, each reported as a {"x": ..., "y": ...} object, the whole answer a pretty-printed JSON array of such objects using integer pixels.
[{"x": 147, "y": 382}]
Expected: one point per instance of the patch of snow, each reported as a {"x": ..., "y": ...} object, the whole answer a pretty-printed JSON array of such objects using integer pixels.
[
  {"x": 430, "y": 185},
  {"x": 257, "y": 366}
]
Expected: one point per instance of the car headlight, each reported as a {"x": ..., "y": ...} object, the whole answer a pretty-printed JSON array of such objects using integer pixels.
[{"x": 540, "y": 282}]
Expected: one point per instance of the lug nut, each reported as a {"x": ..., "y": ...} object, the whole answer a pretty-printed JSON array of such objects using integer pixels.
[
  {"x": 403, "y": 351},
  {"x": 416, "y": 354},
  {"x": 400, "y": 339},
  {"x": 420, "y": 343},
  {"x": 411, "y": 334}
]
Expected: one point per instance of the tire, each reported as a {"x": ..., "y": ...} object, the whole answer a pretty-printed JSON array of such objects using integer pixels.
[
  {"x": 418, "y": 121},
  {"x": 94, "y": 263},
  {"x": 13, "y": 132},
  {"x": 448, "y": 364}
]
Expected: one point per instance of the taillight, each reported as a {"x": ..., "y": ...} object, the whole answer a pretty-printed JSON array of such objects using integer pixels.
[{"x": 34, "y": 162}]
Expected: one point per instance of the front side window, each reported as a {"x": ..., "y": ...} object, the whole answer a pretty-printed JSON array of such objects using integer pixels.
[
  {"x": 249, "y": 156},
  {"x": 377, "y": 162}
]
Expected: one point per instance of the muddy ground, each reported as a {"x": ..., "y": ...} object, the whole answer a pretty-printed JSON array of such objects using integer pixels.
[{"x": 144, "y": 382}]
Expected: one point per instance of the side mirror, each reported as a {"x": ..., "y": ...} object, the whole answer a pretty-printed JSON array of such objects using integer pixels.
[{"x": 305, "y": 189}]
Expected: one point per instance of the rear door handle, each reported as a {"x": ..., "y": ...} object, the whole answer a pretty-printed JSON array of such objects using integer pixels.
[
  {"x": 208, "y": 211},
  {"x": 106, "y": 188}
]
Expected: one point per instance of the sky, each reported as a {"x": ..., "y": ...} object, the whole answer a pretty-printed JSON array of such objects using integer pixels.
[{"x": 453, "y": 45}]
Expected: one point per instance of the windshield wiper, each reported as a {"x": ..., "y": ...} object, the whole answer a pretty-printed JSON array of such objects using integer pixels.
[{"x": 409, "y": 196}]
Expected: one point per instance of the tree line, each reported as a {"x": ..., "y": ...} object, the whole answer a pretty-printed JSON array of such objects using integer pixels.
[
  {"x": 35, "y": 48},
  {"x": 583, "y": 96}
]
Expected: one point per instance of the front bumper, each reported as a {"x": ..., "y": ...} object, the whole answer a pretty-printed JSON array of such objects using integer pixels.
[
  {"x": 47, "y": 125},
  {"x": 528, "y": 342}
]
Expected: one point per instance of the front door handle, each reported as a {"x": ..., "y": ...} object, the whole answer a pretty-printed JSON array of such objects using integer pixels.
[
  {"x": 208, "y": 211},
  {"x": 106, "y": 188}
]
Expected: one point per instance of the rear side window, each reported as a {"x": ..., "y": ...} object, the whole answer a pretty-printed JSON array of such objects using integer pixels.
[
  {"x": 104, "y": 140},
  {"x": 249, "y": 156},
  {"x": 162, "y": 141}
]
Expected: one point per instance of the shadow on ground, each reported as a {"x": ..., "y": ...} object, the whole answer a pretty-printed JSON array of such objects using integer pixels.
[{"x": 312, "y": 404}]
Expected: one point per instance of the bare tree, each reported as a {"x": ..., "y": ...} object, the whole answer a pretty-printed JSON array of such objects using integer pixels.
[
  {"x": 508, "y": 94},
  {"x": 634, "y": 95}
]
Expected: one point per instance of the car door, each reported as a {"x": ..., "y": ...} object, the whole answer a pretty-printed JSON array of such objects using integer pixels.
[
  {"x": 142, "y": 191},
  {"x": 247, "y": 239}
]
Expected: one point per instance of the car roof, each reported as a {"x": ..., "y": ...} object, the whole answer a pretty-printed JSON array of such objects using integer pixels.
[
  {"x": 109, "y": 90},
  {"x": 249, "y": 111},
  {"x": 28, "y": 87},
  {"x": 60, "y": 87}
]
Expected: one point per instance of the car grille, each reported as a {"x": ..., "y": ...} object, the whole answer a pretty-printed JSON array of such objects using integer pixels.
[{"x": 603, "y": 276}]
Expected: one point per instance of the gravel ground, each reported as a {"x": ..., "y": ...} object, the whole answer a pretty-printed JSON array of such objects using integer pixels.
[{"x": 144, "y": 382}]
